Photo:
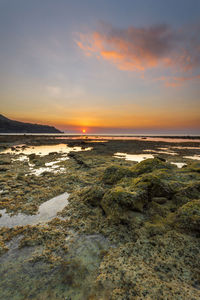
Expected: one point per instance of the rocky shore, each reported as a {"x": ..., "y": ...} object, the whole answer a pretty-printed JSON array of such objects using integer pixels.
[{"x": 130, "y": 230}]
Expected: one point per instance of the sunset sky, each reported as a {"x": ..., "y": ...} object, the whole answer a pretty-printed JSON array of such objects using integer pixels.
[{"x": 117, "y": 66}]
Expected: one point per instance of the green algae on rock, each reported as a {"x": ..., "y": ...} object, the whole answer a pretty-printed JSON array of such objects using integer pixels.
[
  {"x": 188, "y": 216},
  {"x": 130, "y": 231},
  {"x": 114, "y": 173},
  {"x": 92, "y": 195}
]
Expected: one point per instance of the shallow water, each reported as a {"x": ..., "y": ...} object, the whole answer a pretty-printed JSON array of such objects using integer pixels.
[
  {"x": 182, "y": 147},
  {"x": 45, "y": 149},
  {"x": 162, "y": 151},
  {"x": 47, "y": 211},
  {"x": 129, "y": 137},
  {"x": 52, "y": 167},
  {"x": 133, "y": 157},
  {"x": 71, "y": 278},
  {"x": 196, "y": 157},
  {"x": 140, "y": 157},
  {"x": 179, "y": 164}
]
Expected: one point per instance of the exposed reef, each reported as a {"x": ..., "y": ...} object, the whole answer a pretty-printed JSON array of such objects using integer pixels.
[{"x": 129, "y": 231}]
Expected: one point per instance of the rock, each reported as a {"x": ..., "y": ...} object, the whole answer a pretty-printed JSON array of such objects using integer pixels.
[
  {"x": 156, "y": 209},
  {"x": 92, "y": 195},
  {"x": 161, "y": 158},
  {"x": 5, "y": 192},
  {"x": 3, "y": 168},
  {"x": 32, "y": 156},
  {"x": 118, "y": 202},
  {"x": 156, "y": 185},
  {"x": 114, "y": 173},
  {"x": 159, "y": 200},
  {"x": 78, "y": 159},
  {"x": 5, "y": 161},
  {"x": 191, "y": 190},
  {"x": 150, "y": 165},
  {"x": 188, "y": 216},
  {"x": 193, "y": 167}
]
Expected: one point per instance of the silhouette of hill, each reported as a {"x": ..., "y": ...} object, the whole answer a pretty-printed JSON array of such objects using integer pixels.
[{"x": 12, "y": 126}]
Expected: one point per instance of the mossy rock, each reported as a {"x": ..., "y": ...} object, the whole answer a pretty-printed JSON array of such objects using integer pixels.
[
  {"x": 193, "y": 167},
  {"x": 3, "y": 247},
  {"x": 158, "y": 209},
  {"x": 156, "y": 185},
  {"x": 92, "y": 195},
  {"x": 190, "y": 190},
  {"x": 32, "y": 156},
  {"x": 159, "y": 200},
  {"x": 114, "y": 173},
  {"x": 5, "y": 161},
  {"x": 150, "y": 165},
  {"x": 118, "y": 202},
  {"x": 188, "y": 216},
  {"x": 38, "y": 162},
  {"x": 154, "y": 229},
  {"x": 4, "y": 168}
]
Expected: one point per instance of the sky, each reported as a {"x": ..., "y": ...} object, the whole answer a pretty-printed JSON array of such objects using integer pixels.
[{"x": 125, "y": 66}]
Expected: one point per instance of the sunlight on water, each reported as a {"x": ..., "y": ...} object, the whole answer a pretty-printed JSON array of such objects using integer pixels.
[
  {"x": 179, "y": 164},
  {"x": 162, "y": 151},
  {"x": 45, "y": 149},
  {"x": 140, "y": 157},
  {"x": 133, "y": 157},
  {"x": 129, "y": 137},
  {"x": 196, "y": 157},
  {"x": 47, "y": 211},
  {"x": 182, "y": 147}
]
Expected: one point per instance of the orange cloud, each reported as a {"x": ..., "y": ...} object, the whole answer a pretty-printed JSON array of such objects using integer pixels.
[
  {"x": 131, "y": 49},
  {"x": 177, "y": 81},
  {"x": 139, "y": 49}
]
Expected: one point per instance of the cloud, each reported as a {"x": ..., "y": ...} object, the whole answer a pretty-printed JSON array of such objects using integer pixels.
[
  {"x": 140, "y": 49},
  {"x": 177, "y": 81}
]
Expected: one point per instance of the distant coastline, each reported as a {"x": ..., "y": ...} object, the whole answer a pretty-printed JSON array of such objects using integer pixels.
[{"x": 8, "y": 126}]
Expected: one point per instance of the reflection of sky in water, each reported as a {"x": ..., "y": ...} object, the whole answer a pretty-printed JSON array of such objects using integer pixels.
[
  {"x": 140, "y": 157},
  {"x": 43, "y": 150},
  {"x": 40, "y": 171},
  {"x": 46, "y": 149},
  {"x": 161, "y": 152},
  {"x": 47, "y": 211},
  {"x": 133, "y": 157},
  {"x": 52, "y": 167},
  {"x": 178, "y": 164},
  {"x": 121, "y": 137},
  {"x": 197, "y": 157},
  {"x": 182, "y": 147}
]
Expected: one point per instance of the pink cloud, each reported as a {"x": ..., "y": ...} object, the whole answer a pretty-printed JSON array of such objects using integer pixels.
[
  {"x": 139, "y": 49},
  {"x": 177, "y": 81}
]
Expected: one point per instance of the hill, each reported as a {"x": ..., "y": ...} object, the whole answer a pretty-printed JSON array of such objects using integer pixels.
[{"x": 12, "y": 126}]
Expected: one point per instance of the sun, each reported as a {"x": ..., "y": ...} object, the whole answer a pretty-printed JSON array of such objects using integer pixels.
[{"x": 83, "y": 131}]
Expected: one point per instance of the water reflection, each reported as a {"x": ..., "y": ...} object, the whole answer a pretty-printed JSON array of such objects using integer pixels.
[
  {"x": 47, "y": 211},
  {"x": 179, "y": 164},
  {"x": 137, "y": 138},
  {"x": 133, "y": 157},
  {"x": 196, "y": 157},
  {"x": 162, "y": 151},
  {"x": 140, "y": 157},
  {"x": 44, "y": 149}
]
